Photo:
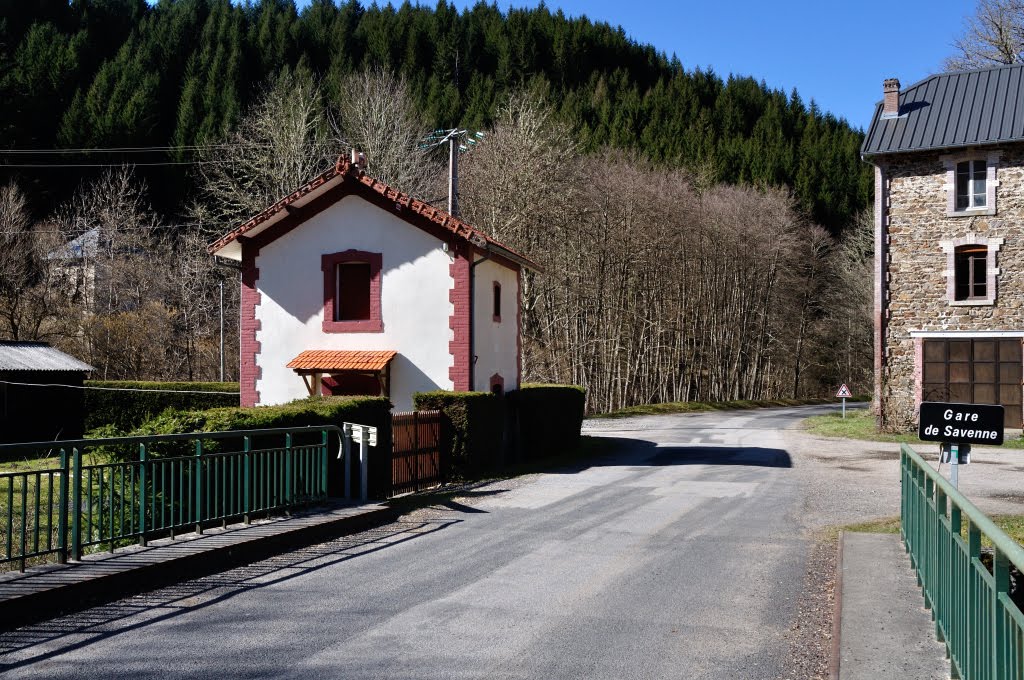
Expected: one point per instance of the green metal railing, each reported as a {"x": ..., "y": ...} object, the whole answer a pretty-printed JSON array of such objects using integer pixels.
[
  {"x": 982, "y": 627},
  {"x": 159, "y": 485}
]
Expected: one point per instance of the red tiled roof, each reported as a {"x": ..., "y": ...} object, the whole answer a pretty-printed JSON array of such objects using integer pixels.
[
  {"x": 341, "y": 360},
  {"x": 351, "y": 172}
]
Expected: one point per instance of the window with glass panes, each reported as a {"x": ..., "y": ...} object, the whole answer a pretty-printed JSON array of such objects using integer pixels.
[
  {"x": 970, "y": 263},
  {"x": 970, "y": 184}
]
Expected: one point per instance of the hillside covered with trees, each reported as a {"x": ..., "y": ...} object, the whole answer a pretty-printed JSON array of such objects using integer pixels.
[
  {"x": 181, "y": 73},
  {"x": 701, "y": 238}
]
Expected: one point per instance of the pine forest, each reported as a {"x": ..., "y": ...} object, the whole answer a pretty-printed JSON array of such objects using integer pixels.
[{"x": 702, "y": 237}]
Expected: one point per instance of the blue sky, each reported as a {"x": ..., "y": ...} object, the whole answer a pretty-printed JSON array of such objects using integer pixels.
[{"x": 837, "y": 53}]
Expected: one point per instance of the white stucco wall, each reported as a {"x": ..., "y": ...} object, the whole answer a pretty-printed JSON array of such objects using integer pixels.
[
  {"x": 495, "y": 343},
  {"x": 415, "y": 309}
]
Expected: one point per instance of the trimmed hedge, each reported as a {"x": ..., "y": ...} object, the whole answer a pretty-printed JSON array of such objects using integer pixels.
[
  {"x": 374, "y": 411},
  {"x": 475, "y": 423},
  {"x": 128, "y": 410},
  {"x": 548, "y": 418}
]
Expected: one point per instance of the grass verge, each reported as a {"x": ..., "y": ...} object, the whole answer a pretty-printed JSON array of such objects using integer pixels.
[
  {"x": 51, "y": 462},
  {"x": 860, "y": 424},
  {"x": 1013, "y": 525},
  {"x": 697, "y": 406}
]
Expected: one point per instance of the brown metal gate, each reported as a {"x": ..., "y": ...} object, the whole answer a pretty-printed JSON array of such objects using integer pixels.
[
  {"x": 416, "y": 451},
  {"x": 975, "y": 371}
]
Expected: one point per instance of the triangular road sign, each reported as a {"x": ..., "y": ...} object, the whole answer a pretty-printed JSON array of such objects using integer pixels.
[{"x": 844, "y": 392}]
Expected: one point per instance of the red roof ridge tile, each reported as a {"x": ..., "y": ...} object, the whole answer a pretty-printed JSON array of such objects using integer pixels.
[{"x": 345, "y": 168}]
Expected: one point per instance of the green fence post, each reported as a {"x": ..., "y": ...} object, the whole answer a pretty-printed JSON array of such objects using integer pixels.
[
  {"x": 246, "y": 477},
  {"x": 62, "y": 516},
  {"x": 978, "y": 645},
  {"x": 943, "y": 570},
  {"x": 197, "y": 510},
  {"x": 288, "y": 470},
  {"x": 76, "y": 504},
  {"x": 1000, "y": 632},
  {"x": 143, "y": 476},
  {"x": 323, "y": 464}
]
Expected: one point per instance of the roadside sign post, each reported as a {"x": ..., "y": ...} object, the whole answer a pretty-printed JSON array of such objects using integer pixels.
[
  {"x": 844, "y": 393},
  {"x": 365, "y": 436},
  {"x": 954, "y": 465},
  {"x": 956, "y": 427}
]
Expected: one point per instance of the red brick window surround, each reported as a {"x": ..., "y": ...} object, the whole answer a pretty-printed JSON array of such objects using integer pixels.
[
  {"x": 352, "y": 292},
  {"x": 496, "y": 314},
  {"x": 971, "y": 272}
]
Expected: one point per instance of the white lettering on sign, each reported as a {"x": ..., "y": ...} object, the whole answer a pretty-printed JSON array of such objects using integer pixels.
[
  {"x": 956, "y": 416},
  {"x": 951, "y": 431}
]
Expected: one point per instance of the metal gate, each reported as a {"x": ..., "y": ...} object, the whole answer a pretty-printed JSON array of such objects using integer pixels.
[{"x": 416, "y": 451}]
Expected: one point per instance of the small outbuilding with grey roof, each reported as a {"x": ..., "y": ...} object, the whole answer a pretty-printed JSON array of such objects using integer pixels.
[
  {"x": 41, "y": 396},
  {"x": 948, "y": 153}
]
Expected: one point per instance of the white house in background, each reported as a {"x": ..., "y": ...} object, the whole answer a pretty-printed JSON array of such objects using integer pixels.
[{"x": 351, "y": 287}]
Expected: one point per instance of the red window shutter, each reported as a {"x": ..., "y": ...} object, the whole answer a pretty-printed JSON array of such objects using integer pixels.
[{"x": 353, "y": 291}]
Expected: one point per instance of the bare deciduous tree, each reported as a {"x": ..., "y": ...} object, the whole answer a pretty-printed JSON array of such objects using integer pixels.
[
  {"x": 281, "y": 143},
  {"x": 994, "y": 35},
  {"x": 33, "y": 300},
  {"x": 522, "y": 185},
  {"x": 377, "y": 115}
]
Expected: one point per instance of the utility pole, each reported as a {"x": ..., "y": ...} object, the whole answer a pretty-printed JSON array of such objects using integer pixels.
[
  {"x": 453, "y": 175},
  {"x": 458, "y": 141}
]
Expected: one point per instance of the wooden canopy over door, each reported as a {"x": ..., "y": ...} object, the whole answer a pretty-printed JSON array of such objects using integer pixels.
[
  {"x": 975, "y": 371},
  {"x": 322, "y": 370}
]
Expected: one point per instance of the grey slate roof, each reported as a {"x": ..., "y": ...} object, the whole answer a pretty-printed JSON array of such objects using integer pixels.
[
  {"x": 950, "y": 110},
  {"x": 37, "y": 356}
]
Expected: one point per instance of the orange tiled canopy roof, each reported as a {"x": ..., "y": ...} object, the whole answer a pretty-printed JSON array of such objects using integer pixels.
[{"x": 341, "y": 360}]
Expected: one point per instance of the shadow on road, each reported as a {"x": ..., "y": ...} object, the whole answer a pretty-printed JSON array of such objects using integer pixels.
[
  {"x": 721, "y": 455},
  {"x": 32, "y": 644},
  {"x": 640, "y": 453}
]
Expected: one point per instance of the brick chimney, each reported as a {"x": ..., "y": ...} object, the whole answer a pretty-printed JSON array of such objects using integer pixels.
[{"x": 891, "y": 103}]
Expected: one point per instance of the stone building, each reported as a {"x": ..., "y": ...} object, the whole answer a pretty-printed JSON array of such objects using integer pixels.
[{"x": 949, "y": 242}]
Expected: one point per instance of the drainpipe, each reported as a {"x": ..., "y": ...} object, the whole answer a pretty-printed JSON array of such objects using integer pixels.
[{"x": 472, "y": 320}]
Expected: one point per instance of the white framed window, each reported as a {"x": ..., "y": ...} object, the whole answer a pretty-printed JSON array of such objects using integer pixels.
[
  {"x": 970, "y": 184},
  {"x": 971, "y": 270},
  {"x": 971, "y": 181}
]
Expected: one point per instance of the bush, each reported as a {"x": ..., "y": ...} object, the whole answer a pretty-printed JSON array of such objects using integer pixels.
[
  {"x": 548, "y": 418},
  {"x": 128, "y": 410},
  {"x": 312, "y": 412},
  {"x": 475, "y": 424}
]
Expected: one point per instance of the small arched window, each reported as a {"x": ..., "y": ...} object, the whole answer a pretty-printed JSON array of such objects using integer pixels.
[{"x": 970, "y": 263}]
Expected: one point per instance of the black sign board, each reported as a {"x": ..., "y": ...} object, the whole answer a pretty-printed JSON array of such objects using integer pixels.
[{"x": 961, "y": 423}]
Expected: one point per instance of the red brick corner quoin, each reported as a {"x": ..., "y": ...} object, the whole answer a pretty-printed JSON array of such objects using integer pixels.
[
  {"x": 249, "y": 346},
  {"x": 458, "y": 347}
]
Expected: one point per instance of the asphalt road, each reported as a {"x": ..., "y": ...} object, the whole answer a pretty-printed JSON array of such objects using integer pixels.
[{"x": 680, "y": 555}]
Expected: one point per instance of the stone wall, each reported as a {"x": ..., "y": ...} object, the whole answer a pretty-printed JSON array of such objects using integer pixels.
[{"x": 917, "y": 300}]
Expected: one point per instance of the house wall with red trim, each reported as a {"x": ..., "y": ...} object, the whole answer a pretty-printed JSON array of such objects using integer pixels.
[
  {"x": 417, "y": 307},
  {"x": 496, "y": 341}
]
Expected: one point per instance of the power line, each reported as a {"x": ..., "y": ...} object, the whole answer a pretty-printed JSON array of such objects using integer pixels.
[
  {"x": 112, "y": 165},
  {"x": 137, "y": 149}
]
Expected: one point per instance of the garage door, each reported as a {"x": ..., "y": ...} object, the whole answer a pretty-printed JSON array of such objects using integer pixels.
[{"x": 976, "y": 371}]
